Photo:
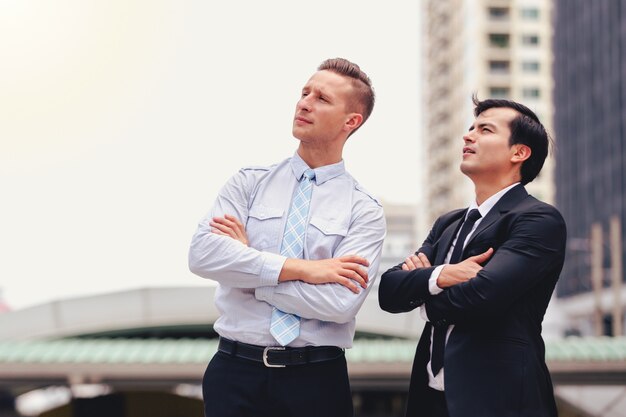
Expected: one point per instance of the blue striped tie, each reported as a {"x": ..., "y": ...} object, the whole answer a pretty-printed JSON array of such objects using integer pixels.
[{"x": 285, "y": 327}]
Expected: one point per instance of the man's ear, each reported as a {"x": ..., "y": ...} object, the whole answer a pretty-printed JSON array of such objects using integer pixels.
[
  {"x": 354, "y": 120},
  {"x": 520, "y": 153}
]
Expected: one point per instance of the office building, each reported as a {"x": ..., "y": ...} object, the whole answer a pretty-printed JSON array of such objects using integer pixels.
[
  {"x": 401, "y": 239},
  {"x": 590, "y": 122},
  {"x": 495, "y": 49}
]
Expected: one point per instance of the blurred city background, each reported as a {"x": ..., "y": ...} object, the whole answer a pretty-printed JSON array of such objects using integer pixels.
[{"x": 120, "y": 121}]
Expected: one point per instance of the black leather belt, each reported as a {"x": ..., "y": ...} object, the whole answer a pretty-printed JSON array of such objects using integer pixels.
[{"x": 278, "y": 356}]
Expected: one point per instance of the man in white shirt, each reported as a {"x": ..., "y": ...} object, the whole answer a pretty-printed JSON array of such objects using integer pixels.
[
  {"x": 294, "y": 248},
  {"x": 483, "y": 279}
]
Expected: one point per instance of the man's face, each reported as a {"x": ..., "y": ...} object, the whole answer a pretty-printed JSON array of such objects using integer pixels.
[
  {"x": 486, "y": 152},
  {"x": 322, "y": 111}
]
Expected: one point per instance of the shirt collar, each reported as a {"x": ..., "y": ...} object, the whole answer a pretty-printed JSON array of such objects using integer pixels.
[
  {"x": 488, "y": 204},
  {"x": 322, "y": 174}
]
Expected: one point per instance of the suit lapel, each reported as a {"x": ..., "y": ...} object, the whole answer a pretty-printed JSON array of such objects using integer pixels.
[
  {"x": 505, "y": 204},
  {"x": 446, "y": 239}
]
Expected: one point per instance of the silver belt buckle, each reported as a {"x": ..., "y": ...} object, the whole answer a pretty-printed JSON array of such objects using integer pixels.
[{"x": 267, "y": 349}]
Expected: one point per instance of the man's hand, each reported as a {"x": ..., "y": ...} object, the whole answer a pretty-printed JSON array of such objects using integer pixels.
[
  {"x": 415, "y": 261},
  {"x": 453, "y": 274},
  {"x": 229, "y": 226},
  {"x": 347, "y": 270}
]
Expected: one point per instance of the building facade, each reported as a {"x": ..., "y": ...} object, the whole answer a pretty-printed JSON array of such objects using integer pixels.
[
  {"x": 590, "y": 122},
  {"x": 401, "y": 239},
  {"x": 492, "y": 48}
]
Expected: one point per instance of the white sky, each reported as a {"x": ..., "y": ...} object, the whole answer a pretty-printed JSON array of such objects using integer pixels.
[{"x": 120, "y": 120}]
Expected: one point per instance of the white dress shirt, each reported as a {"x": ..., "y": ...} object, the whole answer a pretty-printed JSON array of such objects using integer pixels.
[
  {"x": 343, "y": 219},
  {"x": 437, "y": 381}
]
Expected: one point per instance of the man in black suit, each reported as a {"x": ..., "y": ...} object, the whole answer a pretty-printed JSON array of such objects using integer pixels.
[{"x": 483, "y": 279}]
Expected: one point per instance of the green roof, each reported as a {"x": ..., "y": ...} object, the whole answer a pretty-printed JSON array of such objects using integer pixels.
[
  {"x": 596, "y": 349},
  {"x": 172, "y": 351}
]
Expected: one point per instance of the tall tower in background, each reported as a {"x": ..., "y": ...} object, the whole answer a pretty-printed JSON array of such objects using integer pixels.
[
  {"x": 496, "y": 49},
  {"x": 590, "y": 122}
]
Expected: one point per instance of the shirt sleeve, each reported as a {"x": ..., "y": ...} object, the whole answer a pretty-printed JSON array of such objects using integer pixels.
[
  {"x": 432, "y": 282},
  {"x": 227, "y": 260},
  {"x": 433, "y": 288},
  {"x": 334, "y": 302}
]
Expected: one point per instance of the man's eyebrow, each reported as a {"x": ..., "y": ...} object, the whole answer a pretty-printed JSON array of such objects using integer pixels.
[
  {"x": 325, "y": 92},
  {"x": 485, "y": 124}
]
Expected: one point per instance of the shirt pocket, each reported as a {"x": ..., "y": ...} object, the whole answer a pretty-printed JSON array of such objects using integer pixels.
[
  {"x": 264, "y": 227},
  {"x": 324, "y": 236}
]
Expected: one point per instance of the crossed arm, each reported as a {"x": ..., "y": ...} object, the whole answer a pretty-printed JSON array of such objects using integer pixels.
[
  {"x": 219, "y": 249},
  {"x": 406, "y": 286},
  {"x": 451, "y": 274},
  {"x": 325, "y": 289},
  {"x": 529, "y": 261},
  {"x": 345, "y": 270},
  {"x": 532, "y": 254}
]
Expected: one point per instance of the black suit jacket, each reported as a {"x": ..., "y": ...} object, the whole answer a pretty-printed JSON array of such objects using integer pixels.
[{"x": 495, "y": 357}]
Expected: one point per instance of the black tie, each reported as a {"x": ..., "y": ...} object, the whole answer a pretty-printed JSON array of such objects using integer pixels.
[{"x": 439, "y": 333}]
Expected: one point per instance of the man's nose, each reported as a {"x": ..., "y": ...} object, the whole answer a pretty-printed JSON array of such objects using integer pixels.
[
  {"x": 467, "y": 138},
  {"x": 304, "y": 103}
]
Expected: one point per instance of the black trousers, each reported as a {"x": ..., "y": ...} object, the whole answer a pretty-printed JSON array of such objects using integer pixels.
[{"x": 236, "y": 387}]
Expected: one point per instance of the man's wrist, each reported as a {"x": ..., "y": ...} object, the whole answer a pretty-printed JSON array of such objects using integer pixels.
[{"x": 293, "y": 269}]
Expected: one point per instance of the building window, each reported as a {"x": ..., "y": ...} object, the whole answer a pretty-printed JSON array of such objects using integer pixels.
[
  {"x": 530, "y": 13},
  {"x": 499, "y": 67},
  {"x": 499, "y": 92},
  {"x": 498, "y": 13},
  {"x": 499, "y": 40},
  {"x": 530, "y": 66},
  {"x": 531, "y": 92},
  {"x": 530, "y": 40}
]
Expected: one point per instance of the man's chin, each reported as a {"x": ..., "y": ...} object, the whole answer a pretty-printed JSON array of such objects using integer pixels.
[
  {"x": 298, "y": 134},
  {"x": 466, "y": 168}
]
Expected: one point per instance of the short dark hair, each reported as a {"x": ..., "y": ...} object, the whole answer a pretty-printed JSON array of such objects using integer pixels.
[
  {"x": 361, "y": 83},
  {"x": 525, "y": 129}
]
